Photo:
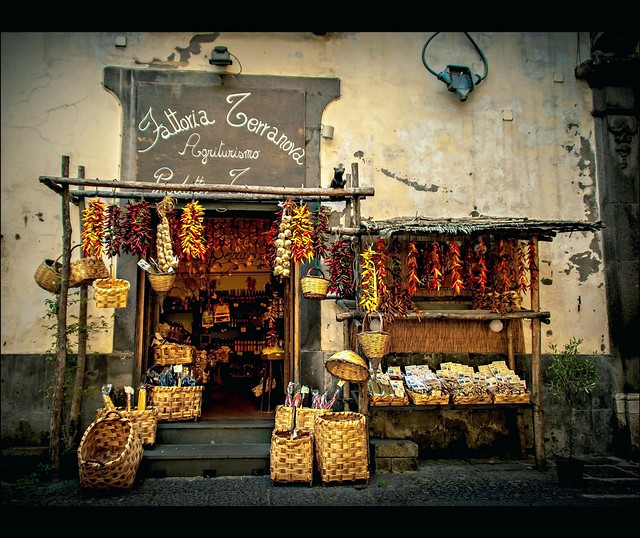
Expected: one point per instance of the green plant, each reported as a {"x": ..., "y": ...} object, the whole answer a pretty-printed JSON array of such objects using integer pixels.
[{"x": 571, "y": 378}]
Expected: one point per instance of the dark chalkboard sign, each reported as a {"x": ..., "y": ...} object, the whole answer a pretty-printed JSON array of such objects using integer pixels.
[{"x": 198, "y": 134}]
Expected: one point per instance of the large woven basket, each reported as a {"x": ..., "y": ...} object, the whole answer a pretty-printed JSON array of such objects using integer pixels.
[
  {"x": 84, "y": 271},
  {"x": 145, "y": 422},
  {"x": 305, "y": 417},
  {"x": 109, "y": 453},
  {"x": 166, "y": 354},
  {"x": 341, "y": 446},
  {"x": 47, "y": 275},
  {"x": 111, "y": 292},
  {"x": 177, "y": 403},
  {"x": 161, "y": 282},
  {"x": 348, "y": 366},
  {"x": 291, "y": 459},
  {"x": 314, "y": 286},
  {"x": 374, "y": 344}
]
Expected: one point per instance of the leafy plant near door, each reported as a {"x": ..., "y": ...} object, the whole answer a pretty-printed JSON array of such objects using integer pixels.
[{"x": 571, "y": 378}]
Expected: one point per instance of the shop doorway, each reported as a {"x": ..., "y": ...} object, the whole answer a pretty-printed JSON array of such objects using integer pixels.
[{"x": 229, "y": 307}]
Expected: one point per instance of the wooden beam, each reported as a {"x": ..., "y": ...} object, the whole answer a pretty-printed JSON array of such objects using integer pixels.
[
  {"x": 198, "y": 189},
  {"x": 536, "y": 378}
]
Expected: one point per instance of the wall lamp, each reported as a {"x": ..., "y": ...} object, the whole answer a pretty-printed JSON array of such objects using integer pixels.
[
  {"x": 220, "y": 56},
  {"x": 458, "y": 78}
]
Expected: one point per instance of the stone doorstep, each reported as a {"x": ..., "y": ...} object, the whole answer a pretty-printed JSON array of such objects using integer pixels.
[{"x": 394, "y": 455}]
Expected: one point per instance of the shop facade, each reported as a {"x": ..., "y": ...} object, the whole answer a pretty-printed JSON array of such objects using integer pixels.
[{"x": 161, "y": 108}]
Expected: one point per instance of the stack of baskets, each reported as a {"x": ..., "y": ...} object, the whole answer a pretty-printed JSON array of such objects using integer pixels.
[
  {"x": 109, "y": 453},
  {"x": 314, "y": 286},
  {"x": 336, "y": 441}
]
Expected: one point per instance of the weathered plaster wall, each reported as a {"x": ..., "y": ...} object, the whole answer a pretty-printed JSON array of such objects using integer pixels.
[{"x": 521, "y": 145}]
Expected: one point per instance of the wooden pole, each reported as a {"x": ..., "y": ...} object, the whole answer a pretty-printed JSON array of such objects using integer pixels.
[
  {"x": 61, "y": 340},
  {"x": 83, "y": 329},
  {"x": 536, "y": 379}
]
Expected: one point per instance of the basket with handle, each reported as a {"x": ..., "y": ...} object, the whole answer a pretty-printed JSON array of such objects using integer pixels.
[
  {"x": 291, "y": 457},
  {"x": 85, "y": 270},
  {"x": 374, "y": 344},
  {"x": 111, "y": 292},
  {"x": 145, "y": 422},
  {"x": 109, "y": 453},
  {"x": 314, "y": 286},
  {"x": 341, "y": 446},
  {"x": 177, "y": 403},
  {"x": 47, "y": 275}
]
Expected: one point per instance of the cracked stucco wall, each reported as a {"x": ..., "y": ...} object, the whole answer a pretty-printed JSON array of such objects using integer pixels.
[{"x": 521, "y": 145}]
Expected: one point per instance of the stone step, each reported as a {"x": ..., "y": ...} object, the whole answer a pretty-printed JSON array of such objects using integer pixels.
[
  {"x": 215, "y": 431},
  {"x": 208, "y": 460}
]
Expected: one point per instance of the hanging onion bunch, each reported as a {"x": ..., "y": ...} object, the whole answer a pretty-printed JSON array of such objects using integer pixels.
[
  {"x": 192, "y": 231},
  {"x": 283, "y": 242},
  {"x": 164, "y": 246},
  {"x": 92, "y": 234},
  {"x": 137, "y": 223}
]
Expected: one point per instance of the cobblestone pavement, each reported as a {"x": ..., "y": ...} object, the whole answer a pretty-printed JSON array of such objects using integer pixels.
[{"x": 610, "y": 484}]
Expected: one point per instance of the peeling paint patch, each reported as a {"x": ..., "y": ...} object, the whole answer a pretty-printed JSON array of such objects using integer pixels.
[
  {"x": 194, "y": 46},
  {"x": 585, "y": 263},
  {"x": 546, "y": 281},
  {"x": 359, "y": 154},
  {"x": 412, "y": 183}
]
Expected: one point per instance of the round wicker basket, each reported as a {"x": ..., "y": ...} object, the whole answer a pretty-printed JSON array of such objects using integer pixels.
[{"x": 348, "y": 366}]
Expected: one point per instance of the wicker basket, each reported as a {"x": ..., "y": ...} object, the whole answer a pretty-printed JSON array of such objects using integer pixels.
[
  {"x": 314, "y": 286},
  {"x": 521, "y": 398},
  {"x": 47, "y": 275},
  {"x": 374, "y": 344},
  {"x": 165, "y": 354},
  {"x": 341, "y": 447},
  {"x": 177, "y": 403},
  {"x": 305, "y": 417},
  {"x": 418, "y": 398},
  {"x": 291, "y": 459},
  {"x": 109, "y": 453},
  {"x": 161, "y": 282},
  {"x": 84, "y": 271},
  {"x": 387, "y": 399},
  {"x": 471, "y": 399},
  {"x": 348, "y": 366},
  {"x": 111, "y": 292},
  {"x": 145, "y": 422}
]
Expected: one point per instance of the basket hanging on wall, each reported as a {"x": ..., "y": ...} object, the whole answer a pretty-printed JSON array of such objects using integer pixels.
[
  {"x": 314, "y": 286},
  {"x": 374, "y": 344}
]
